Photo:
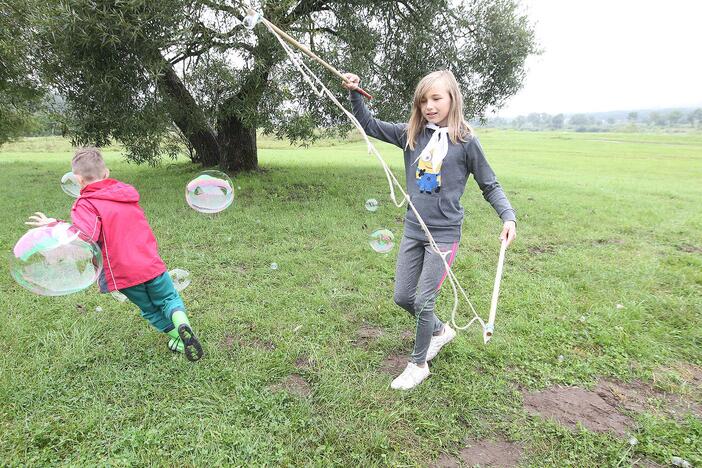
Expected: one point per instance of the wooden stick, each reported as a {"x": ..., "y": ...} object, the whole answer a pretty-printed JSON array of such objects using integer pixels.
[{"x": 307, "y": 51}]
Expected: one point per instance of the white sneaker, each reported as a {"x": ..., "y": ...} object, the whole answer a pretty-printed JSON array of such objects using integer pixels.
[
  {"x": 412, "y": 376},
  {"x": 437, "y": 342}
]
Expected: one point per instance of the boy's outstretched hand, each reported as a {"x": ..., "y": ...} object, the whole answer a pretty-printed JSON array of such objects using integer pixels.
[
  {"x": 39, "y": 219},
  {"x": 509, "y": 232}
]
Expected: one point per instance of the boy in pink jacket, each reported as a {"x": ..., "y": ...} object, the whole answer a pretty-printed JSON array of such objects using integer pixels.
[{"x": 108, "y": 211}]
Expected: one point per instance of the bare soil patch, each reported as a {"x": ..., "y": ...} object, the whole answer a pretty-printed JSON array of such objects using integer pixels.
[
  {"x": 500, "y": 453},
  {"x": 293, "y": 384},
  {"x": 366, "y": 335},
  {"x": 599, "y": 410},
  {"x": 572, "y": 405},
  {"x": 394, "y": 364}
]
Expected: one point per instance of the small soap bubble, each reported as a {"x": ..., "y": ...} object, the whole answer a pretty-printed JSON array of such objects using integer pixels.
[
  {"x": 69, "y": 184},
  {"x": 98, "y": 309},
  {"x": 251, "y": 20},
  {"x": 180, "y": 278},
  {"x": 210, "y": 192},
  {"x": 372, "y": 205},
  {"x": 633, "y": 440},
  {"x": 561, "y": 358},
  {"x": 55, "y": 260},
  {"x": 381, "y": 240},
  {"x": 274, "y": 266}
]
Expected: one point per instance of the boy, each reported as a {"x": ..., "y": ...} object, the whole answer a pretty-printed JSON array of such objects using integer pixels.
[{"x": 108, "y": 211}]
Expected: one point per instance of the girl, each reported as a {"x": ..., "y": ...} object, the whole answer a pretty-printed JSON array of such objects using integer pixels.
[{"x": 440, "y": 153}]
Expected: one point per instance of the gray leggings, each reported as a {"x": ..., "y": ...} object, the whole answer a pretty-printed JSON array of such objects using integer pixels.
[{"x": 418, "y": 277}]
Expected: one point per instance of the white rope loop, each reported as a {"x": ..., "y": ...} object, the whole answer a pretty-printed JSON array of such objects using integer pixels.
[{"x": 311, "y": 79}]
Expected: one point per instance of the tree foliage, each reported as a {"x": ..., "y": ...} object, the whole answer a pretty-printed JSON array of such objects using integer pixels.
[
  {"x": 139, "y": 71},
  {"x": 20, "y": 93}
]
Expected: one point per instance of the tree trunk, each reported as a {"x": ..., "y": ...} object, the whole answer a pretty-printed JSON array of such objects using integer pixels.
[
  {"x": 238, "y": 145},
  {"x": 190, "y": 119}
]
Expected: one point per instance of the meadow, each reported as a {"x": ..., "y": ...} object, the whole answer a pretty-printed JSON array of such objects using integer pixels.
[{"x": 602, "y": 291}]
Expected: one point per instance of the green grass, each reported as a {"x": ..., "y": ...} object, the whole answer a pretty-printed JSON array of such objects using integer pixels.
[{"x": 604, "y": 219}]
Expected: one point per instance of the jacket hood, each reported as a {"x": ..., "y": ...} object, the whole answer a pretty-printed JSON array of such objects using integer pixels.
[{"x": 110, "y": 189}]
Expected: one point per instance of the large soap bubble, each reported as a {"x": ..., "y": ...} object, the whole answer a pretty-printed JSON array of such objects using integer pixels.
[
  {"x": 55, "y": 260},
  {"x": 382, "y": 240},
  {"x": 69, "y": 184},
  {"x": 180, "y": 278},
  {"x": 210, "y": 192}
]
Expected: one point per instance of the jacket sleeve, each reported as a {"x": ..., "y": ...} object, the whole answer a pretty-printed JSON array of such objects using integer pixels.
[
  {"x": 86, "y": 218},
  {"x": 392, "y": 133},
  {"x": 485, "y": 177}
]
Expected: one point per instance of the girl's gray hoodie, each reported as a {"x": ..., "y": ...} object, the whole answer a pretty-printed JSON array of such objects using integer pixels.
[{"x": 437, "y": 196}]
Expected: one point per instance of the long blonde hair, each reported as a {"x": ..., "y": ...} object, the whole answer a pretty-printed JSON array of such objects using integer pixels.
[{"x": 458, "y": 127}]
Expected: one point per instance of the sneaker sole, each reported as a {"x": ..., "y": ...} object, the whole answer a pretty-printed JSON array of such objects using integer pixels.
[{"x": 191, "y": 345}]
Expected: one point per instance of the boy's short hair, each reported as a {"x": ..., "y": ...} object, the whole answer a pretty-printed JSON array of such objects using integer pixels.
[{"x": 88, "y": 164}]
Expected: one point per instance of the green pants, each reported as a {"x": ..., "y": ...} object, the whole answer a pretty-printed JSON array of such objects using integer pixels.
[{"x": 157, "y": 299}]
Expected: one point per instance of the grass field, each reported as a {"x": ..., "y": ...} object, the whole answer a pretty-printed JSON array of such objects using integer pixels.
[{"x": 293, "y": 372}]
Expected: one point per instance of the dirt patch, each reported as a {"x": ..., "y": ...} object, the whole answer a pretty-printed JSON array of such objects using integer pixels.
[
  {"x": 572, "y": 405},
  {"x": 304, "y": 363},
  {"x": 407, "y": 335},
  {"x": 293, "y": 384},
  {"x": 394, "y": 364},
  {"x": 228, "y": 342},
  {"x": 689, "y": 248},
  {"x": 366, "y": 335},
  {"x": 541, "y": 249},
  {"x": 599, "y": 410},
  {"x": 638, "y": 397},
  {"x": 483, "y": 453}
]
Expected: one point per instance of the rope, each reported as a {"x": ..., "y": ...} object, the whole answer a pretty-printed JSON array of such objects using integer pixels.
[{"x": 321, "y": 90}]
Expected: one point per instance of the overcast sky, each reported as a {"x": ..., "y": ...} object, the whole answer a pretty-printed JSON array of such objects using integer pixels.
[{"x": 602, "y": 55}]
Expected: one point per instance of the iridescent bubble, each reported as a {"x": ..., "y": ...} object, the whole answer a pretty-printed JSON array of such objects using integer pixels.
[
  {"x": 210, "y": 192},
  {"x": 382, "y": 240},
  {"x": 69, "y": 184},
  {"x": 274, "y": 266},
  {"x": 180, "y": 278},
  {"x": 372, "y": 205},
  {"x": 251, "y": 20},
  {"x": 55, "y": 260}
]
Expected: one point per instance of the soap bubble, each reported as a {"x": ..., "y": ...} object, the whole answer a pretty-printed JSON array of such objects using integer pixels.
[
  {"x": 209, "y": 192},
  {"x": 55, "y": 260},
  {"x": 251, "y": 20},
  {"x": 119, "y": 296},
  {"x": 381, "y": 240},
  {"x": 180, "y": 278},
  {"x": 274, "y": 266},
  {"x": 372, "y": 205},
  {"x": 70, "y": 185}
]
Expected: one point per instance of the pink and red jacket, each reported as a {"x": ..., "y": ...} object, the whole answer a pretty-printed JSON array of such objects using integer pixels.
[{"x": 108, "y": 211}]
